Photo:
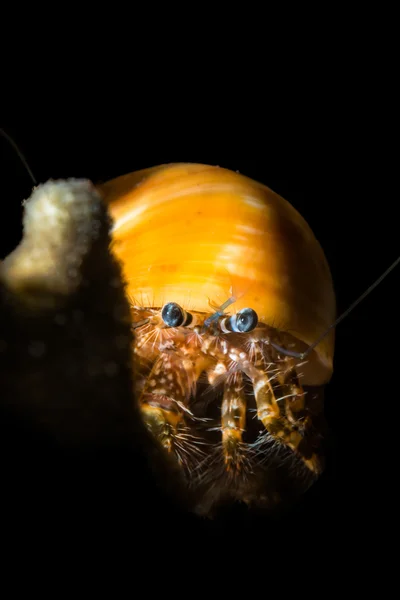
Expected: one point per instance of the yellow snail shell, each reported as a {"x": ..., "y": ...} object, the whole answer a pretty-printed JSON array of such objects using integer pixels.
[{"x": 187, "y": 231}]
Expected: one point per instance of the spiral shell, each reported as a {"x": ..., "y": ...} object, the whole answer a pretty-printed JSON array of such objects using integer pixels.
[
  {"x": 197, "y": 235},
  {"x": 187, "y": 231}
]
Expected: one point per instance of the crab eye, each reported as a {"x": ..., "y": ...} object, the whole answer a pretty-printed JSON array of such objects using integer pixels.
[
  {"x": 244, "y": 321},
  {"x": 173, "y": 315}
]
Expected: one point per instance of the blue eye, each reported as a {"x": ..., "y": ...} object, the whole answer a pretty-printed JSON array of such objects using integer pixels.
[
  {"x": 173, "y": 315},
  {"x": 244, "y": 321}
]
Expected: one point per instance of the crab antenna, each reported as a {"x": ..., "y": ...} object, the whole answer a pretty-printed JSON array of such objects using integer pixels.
[
  {"x": 302, "y": 355},
  {"x": 21, "y": 156}
]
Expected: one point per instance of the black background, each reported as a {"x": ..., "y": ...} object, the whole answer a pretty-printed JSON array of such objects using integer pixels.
[{"x": 340, "y": 175}]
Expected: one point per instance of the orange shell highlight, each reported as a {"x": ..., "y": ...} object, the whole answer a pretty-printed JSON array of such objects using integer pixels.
[{"x": 192, "y": 233}]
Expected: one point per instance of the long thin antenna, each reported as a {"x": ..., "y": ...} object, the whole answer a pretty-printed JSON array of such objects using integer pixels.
[
  {"x": 21, "y": 156},
  {"x": 303, "y": 355}
]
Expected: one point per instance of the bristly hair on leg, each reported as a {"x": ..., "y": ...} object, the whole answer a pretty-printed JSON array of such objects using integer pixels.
[{"x": 190, "y": 449}]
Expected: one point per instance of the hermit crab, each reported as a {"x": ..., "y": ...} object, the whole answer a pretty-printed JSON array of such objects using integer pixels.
[{"x": 227, "y": 286}]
